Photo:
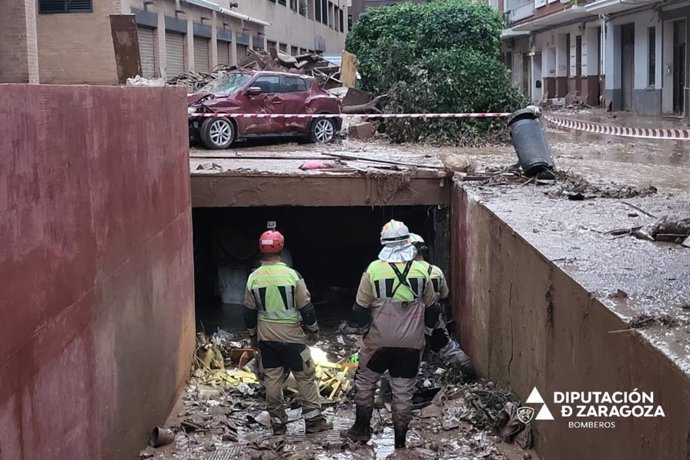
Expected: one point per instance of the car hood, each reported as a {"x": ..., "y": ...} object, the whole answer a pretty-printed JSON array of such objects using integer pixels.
[{"x": 193, "y": 98}]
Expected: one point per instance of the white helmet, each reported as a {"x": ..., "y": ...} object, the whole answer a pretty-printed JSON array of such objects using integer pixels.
[
  {"x": 395, "y": 238},
  {"x": 394, "y": 231}
]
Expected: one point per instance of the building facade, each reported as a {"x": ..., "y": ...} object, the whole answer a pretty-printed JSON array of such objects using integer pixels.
[
  {"x": 87, "y": 41},
  {"x": 626, "y": 56}
]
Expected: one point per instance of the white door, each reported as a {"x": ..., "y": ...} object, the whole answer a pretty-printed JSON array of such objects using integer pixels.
[
  {"x": 175, "y": 57},
  {"x": 146, "y": 52},
  {"x": 202, "y": 62}
]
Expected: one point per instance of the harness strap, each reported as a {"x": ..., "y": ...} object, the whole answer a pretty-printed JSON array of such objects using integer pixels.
[{"x": 402, "y": 278}]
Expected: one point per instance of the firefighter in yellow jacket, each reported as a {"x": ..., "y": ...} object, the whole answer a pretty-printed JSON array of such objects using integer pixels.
[
  {"x": 277, "y": 312},
  {"x": 396, "y": 300},
  {"x": 440, "y": 341}
]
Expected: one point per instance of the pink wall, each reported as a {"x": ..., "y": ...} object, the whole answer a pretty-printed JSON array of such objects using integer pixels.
[{"x": 96, "y": 311}]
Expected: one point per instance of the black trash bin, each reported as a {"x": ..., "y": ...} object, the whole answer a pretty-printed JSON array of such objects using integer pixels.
[{"x": 528, "y": 139}]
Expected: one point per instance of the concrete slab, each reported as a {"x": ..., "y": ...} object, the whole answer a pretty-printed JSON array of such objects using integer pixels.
[{"x": 270, "y": 175}]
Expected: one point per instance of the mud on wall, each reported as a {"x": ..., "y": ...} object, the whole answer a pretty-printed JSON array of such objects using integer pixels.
[
  {"x": 96, "y": 311},
  {"x": 526, "y": 324}
]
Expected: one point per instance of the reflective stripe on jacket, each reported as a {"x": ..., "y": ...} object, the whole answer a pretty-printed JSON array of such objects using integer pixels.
[
  {"x": 386, "y": 284},
  {"x": 273, "y": 287}
]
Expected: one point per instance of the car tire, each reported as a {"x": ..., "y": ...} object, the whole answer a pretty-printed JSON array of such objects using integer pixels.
[
  {"x": 322, "y": 130},
  {"x": 217, "y": 133}
]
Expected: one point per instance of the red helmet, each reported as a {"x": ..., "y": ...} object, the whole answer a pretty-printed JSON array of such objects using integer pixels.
[{"x": 271, "y": 242}]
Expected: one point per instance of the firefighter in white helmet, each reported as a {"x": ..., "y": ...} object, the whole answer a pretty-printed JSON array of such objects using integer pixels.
[
  {"x": 440, "y": 341},
  {"x": 396, "y": 300}
]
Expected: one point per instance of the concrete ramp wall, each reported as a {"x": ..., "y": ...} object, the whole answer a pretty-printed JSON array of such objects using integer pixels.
[
  {"x": 97, "y": 303},
  {"x": 526, "y": 322}
]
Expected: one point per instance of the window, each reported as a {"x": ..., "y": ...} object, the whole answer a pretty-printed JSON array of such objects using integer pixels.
[
  {"x": 651, "y": 56},
  {"x": 294, "y": 85},
  {"x": 340, "y": 12},
  {"x": 282, "y": 2},
  {"x": 64, "y": 6},
  {"x": 317, "y": 12},
  {"x": 268, "y": 84},
  {"x": 324, "y": 11},
  {"x": 293, "y": 5}
]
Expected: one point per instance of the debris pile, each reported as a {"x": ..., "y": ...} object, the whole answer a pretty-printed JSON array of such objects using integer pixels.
[
  {"x": 644, "y": 321},
  {"x": 228, "y": 362},
  {"x": 314, "y": 65},
  {"x": 564, "y": 184},
  {"x": 224, "y": 416},
  {"x": 668, "y": 229}
]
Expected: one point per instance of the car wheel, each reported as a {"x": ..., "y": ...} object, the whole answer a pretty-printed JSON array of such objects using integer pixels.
[
  {"x": 217, "y": 133},
  {"x": 322, "y": 131}
]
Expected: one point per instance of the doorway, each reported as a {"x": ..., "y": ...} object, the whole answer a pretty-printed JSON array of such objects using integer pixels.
[
  {"x": 526, "y": 74},
  {"x": 627, "y": 65},
  {"x": 578, "y": 65},
  {"x": 537, "y": 79},
  {"x": 679, "y": 67}
]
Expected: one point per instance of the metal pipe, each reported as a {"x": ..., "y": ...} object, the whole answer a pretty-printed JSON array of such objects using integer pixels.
[
  {"x": 243, "y": 17},
  {"x": 216, "y": 7}
]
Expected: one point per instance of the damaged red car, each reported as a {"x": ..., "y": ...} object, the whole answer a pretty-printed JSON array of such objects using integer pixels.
[{"x": 252, "y": 92}]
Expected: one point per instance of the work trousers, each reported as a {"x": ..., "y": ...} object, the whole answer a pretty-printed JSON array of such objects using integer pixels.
[
  {"x": 278, "y": 359},
  {"x": 402, "y": 364}
]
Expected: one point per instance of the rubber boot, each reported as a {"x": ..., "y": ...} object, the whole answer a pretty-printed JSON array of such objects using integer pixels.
[
  {"x": 361, "y": 430},
  {"x": 317, "y": 424},
  {"x": 400, "y": 433}
]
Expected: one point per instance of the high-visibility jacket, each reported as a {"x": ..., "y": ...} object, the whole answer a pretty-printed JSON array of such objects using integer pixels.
[
  {"x": 273, "y": 288},
  {"x": 386, "y": 283},
  {"x": 438, "y": 279}
]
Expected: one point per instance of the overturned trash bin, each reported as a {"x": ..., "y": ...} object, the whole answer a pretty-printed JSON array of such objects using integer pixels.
[{"x": 528, "y": 139}]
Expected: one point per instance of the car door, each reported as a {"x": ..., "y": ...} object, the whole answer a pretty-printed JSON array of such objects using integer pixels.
[
  {"x": 270, "y": 101},
  {"x": 296, "y": 92}
]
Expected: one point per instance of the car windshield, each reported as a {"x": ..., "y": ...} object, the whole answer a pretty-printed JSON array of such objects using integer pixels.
[{"x": 226, "y": 83}]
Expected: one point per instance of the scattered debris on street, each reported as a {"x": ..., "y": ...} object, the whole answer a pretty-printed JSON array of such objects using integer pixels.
[
  {"x": 668, "y": 229},
  {"x": 563, "y": 184},
  {"x": 223, "y": 411}
]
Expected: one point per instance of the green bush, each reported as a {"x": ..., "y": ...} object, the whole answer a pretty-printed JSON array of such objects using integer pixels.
[{"x": 442, "y": 56}]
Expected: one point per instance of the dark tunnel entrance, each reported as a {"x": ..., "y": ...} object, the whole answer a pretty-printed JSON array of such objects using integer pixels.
[{"x": 329, "y": 246}]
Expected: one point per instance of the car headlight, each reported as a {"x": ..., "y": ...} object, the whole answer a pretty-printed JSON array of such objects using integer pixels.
[{"x": 191, "y": 110}]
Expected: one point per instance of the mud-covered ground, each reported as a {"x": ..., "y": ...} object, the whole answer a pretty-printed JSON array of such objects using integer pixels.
[{"x": 219, "y": 417}]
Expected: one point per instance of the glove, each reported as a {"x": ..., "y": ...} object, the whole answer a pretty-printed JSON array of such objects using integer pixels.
[
  {"x": 253, "y": 343},
  {"x": 312, "y": 337}
]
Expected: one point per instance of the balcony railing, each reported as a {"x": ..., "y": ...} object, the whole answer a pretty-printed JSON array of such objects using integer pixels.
[{"x": 520, "y": 12}]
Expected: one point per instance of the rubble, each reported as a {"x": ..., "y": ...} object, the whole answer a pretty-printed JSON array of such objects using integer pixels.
[
  {"x": 562, "y": 184},
  {"x": 668, "y": 229},
  {"x": 224, "y": 412},
  {"x": 362, "y": 131},
  {"x": 314, "y": 65}
]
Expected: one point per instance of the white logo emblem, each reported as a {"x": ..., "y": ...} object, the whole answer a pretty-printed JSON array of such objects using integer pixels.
[
  {"x": 535, "y": 398},
  {"x": 525, "y": 414}
]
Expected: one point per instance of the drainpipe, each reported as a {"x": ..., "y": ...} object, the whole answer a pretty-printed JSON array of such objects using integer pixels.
[{"x": 602, "y": 57}]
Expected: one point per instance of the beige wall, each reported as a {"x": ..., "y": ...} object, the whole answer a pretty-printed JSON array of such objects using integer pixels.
[
  {"x": 18, "y": 49},
  {"x": 288, "y": 28},
  {"x": 77, "y": 47},
  {"x": 293, "y": 29}
]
